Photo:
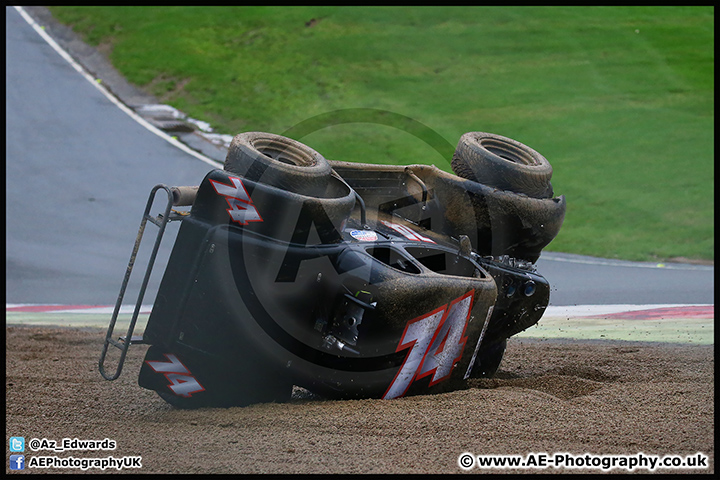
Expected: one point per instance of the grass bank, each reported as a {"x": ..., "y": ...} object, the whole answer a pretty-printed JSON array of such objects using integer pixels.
[{"x": 619, "y": 99}]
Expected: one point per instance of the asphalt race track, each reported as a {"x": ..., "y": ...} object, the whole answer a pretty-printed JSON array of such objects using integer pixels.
[
  {"x": 620, "y": 366},
  {"x": 79, "y": 170}
]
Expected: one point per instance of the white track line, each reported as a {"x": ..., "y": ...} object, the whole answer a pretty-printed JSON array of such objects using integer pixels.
[
  {"x": 549, "y": 256},
  {"x": 593, "y": 310},
  {"x": 96, "y": 83},
  {"x": 97, "y": 310},
  {"x": 551, "y": 311}
]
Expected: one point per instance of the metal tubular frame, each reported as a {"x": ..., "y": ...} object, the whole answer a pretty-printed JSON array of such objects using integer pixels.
[{"x": 124, "y": 343}]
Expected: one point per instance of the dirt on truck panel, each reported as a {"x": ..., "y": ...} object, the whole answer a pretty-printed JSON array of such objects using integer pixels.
[{"x": 350, "y": 280}]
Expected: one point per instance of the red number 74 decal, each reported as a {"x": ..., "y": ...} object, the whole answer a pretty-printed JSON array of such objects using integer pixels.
[
  {"x": 182, "y": 382},
  {"x": 241, "y": 208},
  {"x": 437, "y": 340}
]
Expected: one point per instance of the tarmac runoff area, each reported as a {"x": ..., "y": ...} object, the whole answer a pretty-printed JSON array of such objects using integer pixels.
[{"x": 684, "y": 324}]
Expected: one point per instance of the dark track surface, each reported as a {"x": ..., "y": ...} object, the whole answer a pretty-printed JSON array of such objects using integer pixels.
[{"x": 79, "y": 170}]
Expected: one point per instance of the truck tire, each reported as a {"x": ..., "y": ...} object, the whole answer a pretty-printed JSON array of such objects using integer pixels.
[
  {"x": 279, "y": 162},
  {"x": 503, "y": 163}
]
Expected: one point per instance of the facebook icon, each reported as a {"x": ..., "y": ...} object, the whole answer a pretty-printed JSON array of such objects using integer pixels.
[{"x": 17, "y": 462}]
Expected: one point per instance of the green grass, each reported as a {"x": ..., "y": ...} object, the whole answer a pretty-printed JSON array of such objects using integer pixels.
[{"x": 619, "y": 99}]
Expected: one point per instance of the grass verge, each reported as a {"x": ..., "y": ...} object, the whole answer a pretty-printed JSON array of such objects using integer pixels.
[{"x": 619, "y": 99}]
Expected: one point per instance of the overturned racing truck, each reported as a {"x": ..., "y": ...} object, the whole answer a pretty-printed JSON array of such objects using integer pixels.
[{"x": 350, "y": 280}]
